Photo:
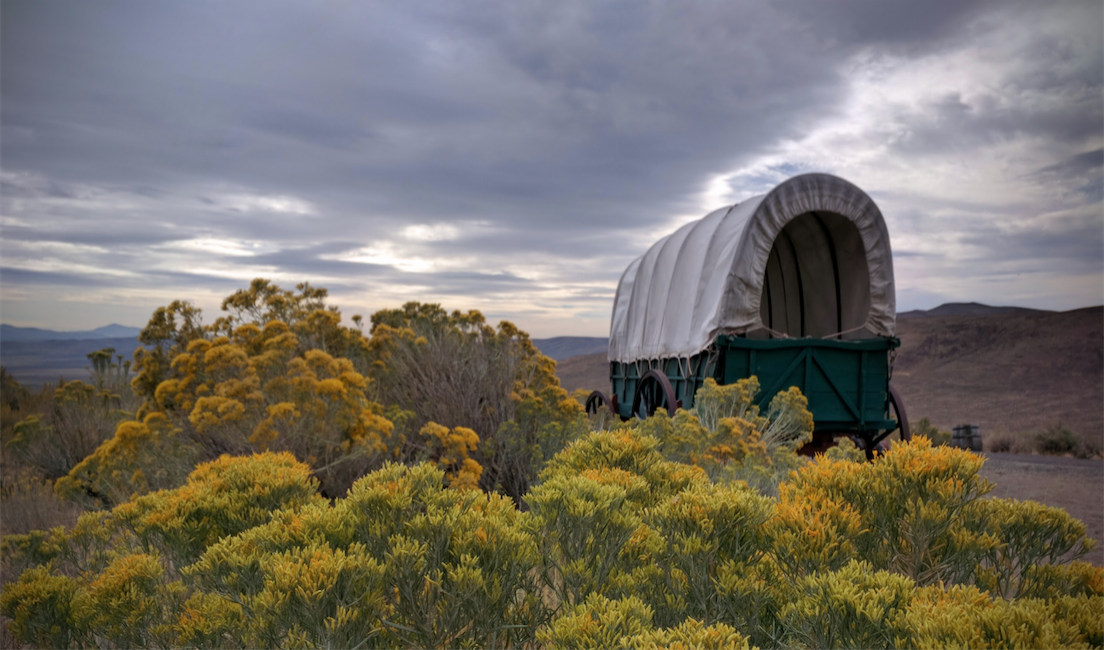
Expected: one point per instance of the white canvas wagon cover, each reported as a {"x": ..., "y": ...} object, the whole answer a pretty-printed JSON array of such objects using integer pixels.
[{"x": 809, "y": 258}]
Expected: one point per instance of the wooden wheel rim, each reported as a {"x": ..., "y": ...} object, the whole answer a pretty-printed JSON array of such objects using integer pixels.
[{"x": 653, "y": 391}]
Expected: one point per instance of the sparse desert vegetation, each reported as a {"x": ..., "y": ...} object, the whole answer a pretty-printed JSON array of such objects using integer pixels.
[{"x": 277, "y": 479}]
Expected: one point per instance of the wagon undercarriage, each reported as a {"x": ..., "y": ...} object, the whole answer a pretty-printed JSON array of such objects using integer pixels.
[{"x": 846, "y": 383}]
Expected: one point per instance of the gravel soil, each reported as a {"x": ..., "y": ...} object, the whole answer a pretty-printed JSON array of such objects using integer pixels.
[{"x": 1073, "y": 484}]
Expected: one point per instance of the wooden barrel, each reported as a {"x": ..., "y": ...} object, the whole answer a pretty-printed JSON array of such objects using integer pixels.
[
  {"x": 967, "y": 436},
  {"x": 975, "y": 438}
]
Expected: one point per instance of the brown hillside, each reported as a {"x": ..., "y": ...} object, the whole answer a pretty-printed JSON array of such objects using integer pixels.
[
  {"x": 589, "y": 371},
  {"x": 1017, "y": 372},
  {"x": 1006, "y": 372}
]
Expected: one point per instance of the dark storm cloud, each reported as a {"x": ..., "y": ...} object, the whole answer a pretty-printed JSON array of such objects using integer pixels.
[
  {"x": 1074, "y": 240},
  {"x": 531, "y": 116},
  {"x": 239, "y": 137},
  {"x": 1082, "y": 163},
  {"x": 912, "y": 25},
  {"x": 23, "y": 277}
]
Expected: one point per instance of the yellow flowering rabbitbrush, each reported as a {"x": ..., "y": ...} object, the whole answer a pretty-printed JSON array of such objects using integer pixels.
[{"x": 621, "y": 547}]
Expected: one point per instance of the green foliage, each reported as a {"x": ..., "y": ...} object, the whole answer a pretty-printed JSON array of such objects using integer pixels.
[
  {"x": 631, "y": 451},
  {"x": 727, "y": 437},
  {"x": 964, "y": 617},
  {"x": 615, "y": 518},
  {"x": 703, "y": 534},
  {"x": 128, "y": 604},
  {"x": 1033, "y": 539},
  {"x": 924, "y": 428},
  {"x": 906, "y": 513},
  {"x": 600, "y": 623},
  {"x": 788, "y": 422},
  {"x": 221, "y": 498},
  {"x": 845, "y": 449},
  {"x": 454, "y": 369},
  {"x": 544, "y": 422},
  {"x": 141, "y": 457},
  {"x": 585, "y": 523},
  {"x": 40, "y": 608},
  {"x": 279, "y": 372},
  {"x": 691, "y": 634},
  {"x": 853, "y": 607},
  {"x": 400, "y": 561},
  {"x": 1057, "y": 440},
  {"x": 74, "y": 420},
  {"x": 590, "y": 509}
]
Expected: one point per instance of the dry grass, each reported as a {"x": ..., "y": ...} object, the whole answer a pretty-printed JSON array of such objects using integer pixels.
[
  {"x": 29, "y": 504},
  {"x": 1068, "y": 483},
  {"x": 1013, "y": 373}
]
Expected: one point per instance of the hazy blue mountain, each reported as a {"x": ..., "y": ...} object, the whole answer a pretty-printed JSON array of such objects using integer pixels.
[
  {"x": 34, "y": 363},
  {"x": 564, "y": 347},
  {"x": 9, "y": 333}
]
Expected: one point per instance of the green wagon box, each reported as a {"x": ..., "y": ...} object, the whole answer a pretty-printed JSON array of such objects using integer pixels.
[{"x": 794, "y": 287}]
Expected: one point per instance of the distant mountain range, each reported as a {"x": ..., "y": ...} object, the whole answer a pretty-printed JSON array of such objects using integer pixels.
[
  {"x": 560, "y": 347},
  {"x": 968, "y": 309},
  {"x": 565, "y": 347},
  {"x": 10, "y": 333},
  {"x": 34, "y": 363}
]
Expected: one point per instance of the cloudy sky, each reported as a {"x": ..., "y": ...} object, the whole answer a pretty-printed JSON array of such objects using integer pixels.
[{"x": 514, "y": 156}]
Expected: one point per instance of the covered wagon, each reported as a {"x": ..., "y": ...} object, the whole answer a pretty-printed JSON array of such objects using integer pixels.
[{"x": 794, "y": 286}]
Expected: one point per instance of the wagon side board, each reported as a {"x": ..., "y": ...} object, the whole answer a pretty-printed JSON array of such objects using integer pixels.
[{"x": 846, "y": 382}]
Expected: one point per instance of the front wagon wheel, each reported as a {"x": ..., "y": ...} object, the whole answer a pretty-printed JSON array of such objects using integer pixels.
[
  {"x": 654, "y": 392},
  {"x": 897, "y": 405},
  {"x": 895, "y": 409}
]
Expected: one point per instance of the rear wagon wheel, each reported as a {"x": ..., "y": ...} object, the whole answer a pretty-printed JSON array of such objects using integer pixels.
[
  {"x": 598, "y": 399},
  {"x": 654, "y": 392}
]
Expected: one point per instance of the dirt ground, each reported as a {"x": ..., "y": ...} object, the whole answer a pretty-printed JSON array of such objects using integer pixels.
[{"x": 1073, "y": 484}]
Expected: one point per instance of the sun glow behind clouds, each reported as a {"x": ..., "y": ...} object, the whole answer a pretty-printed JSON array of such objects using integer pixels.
[
  {"x": 435, "y": 232},
  {"x": 385, "y": 254},
  {"x": 217, "y": 246},
  {"x": 930, "y": 139},
  {"x": 261, "y": 203}
]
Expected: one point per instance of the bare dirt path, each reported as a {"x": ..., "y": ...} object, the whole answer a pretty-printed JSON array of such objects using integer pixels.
[{"x": 1073, "y": 484}]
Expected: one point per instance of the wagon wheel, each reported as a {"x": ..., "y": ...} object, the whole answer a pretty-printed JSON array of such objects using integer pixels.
[
  {"x": 654, "y": 392},
  {"x": 896, "y": 408},
  {"x": 598, "y": 399}
]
